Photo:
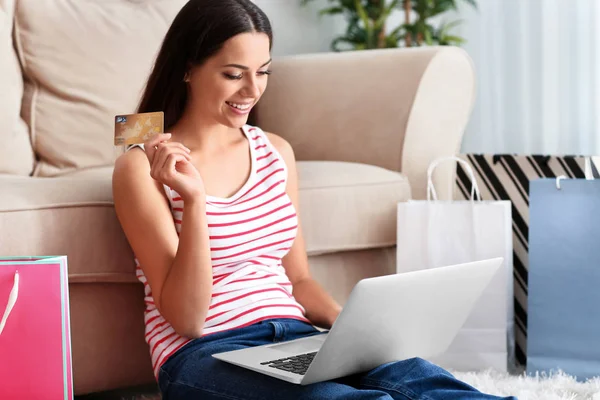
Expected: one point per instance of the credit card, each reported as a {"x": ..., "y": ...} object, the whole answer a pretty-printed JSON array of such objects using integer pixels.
[{"x": 138, "y": 128}]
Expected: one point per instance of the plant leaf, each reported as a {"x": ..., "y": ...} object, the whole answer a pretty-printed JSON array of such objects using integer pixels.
[
  {"x": 371, "y": 40},
  {"x": 473, "y": 3},
  {"x": 367, "y": 20},
  {"x": 331, "y": 10},
  {"x": 343, "y": 39},
  {"x": 361, "y": 13},
  {"x": 455, "y": 39},
  {"x": 392, "y": 41},
  {"x": 428, "y": 37}
]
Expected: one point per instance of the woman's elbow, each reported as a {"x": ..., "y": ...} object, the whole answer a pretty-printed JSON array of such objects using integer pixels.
[
  {"x": 189, "y": 330},
  {"x": 185, "y": 322}
]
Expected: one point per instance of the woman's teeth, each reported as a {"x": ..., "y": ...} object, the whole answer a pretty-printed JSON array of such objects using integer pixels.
[{"x": 239, "y": 106}]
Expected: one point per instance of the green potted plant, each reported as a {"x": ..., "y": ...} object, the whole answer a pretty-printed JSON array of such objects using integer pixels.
[{"x": 367, "y": 23}]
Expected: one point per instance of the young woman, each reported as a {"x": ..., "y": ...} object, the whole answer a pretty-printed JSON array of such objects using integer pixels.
[{"x": 211, "y": 212}]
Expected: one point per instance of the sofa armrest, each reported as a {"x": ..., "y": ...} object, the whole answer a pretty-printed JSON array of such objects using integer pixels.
[
  {"x": 395, "y": 108},
  {"x": 440, "y": 113}
]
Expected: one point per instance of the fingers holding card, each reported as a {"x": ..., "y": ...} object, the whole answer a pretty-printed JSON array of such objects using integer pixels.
[{"x": 151, "y": 145}]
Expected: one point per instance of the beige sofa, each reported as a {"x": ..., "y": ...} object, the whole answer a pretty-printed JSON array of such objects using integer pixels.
[{"x": 364, "y": 126}]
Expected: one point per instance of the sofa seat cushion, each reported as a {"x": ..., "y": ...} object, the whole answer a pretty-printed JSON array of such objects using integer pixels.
[
  {"x": 343, "y": 206},
  {"x": 66, "y": 216},
  {"x": 348, "y": 206}
]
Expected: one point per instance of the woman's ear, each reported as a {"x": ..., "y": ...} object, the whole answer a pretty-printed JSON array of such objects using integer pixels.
[{"x": 188, "y": 69}]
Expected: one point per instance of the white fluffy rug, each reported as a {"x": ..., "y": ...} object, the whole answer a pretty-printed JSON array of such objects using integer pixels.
[
  {"x": 543, "y": 387},
  {"x": 559, "y": 386}
]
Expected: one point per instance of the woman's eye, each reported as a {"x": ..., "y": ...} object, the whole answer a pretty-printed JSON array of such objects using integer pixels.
[
  {"x": 237, "y": 77},
  {"x": 233, "y": 77}
]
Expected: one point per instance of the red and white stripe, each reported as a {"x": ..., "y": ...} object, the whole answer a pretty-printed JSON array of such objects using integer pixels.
[{"x": 250, "y": 232}]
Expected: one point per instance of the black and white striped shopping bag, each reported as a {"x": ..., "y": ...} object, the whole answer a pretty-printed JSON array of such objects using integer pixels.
[{"x": 506, "y": 177}]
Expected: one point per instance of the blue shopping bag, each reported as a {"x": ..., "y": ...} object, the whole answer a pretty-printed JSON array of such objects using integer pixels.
[{"x": 564, "y": 277}]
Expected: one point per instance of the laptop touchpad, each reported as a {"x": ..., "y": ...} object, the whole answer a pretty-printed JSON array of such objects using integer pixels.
[{"x": 300, "y": 346}]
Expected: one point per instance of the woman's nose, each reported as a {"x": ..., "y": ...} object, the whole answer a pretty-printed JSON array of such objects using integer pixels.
[{"x": 252, "y": 88}]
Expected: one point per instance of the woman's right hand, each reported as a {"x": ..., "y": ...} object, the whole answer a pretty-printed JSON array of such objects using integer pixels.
[{"x": 170, "y": 164}]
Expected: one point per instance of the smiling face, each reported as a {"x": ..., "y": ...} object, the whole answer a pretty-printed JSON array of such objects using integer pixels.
[{"x": 227, "y": 85}]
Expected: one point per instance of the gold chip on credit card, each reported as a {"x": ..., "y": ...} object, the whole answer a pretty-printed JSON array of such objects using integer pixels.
[{"x": 137, "y": 128}]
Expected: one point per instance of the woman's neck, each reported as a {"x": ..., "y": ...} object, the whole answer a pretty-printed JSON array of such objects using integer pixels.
[{"x": 198, "y": 134}]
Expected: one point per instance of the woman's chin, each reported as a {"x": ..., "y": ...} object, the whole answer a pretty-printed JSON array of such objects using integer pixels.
[{"x": 237, "y": 121}]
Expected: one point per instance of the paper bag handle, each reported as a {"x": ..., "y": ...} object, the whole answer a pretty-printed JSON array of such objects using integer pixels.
[
  {"x": 12, "y": 299},
  {"x": 431, "y": 189},
  {"x": 589, "y": 174}
]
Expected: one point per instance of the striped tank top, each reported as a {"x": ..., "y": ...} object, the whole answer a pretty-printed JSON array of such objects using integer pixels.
[{"x": 250, "y": 232}]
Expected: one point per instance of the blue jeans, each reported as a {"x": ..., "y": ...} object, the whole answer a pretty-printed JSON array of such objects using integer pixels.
[{"x": 192, "y": 373}]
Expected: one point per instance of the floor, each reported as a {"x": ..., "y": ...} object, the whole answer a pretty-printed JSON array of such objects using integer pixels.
[
  {"x": 136, "y": 393},
  {"x": 559, "y": 386}
]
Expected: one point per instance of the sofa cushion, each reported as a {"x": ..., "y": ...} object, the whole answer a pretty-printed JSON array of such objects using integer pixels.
[
  {"x": 348, "y": 206},
  {"x": 16, "y": 153},
  {"x": 66, "y": 216},
  {"x": 77, "y": 79},
  {"x": 343, "y": 206}
]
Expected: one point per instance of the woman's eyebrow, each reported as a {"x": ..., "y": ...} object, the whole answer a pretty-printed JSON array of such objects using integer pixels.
[{"x": 243, "y": 66}]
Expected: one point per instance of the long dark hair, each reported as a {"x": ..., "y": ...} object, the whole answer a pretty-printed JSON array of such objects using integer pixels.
[{"x": 197, "y": 32}]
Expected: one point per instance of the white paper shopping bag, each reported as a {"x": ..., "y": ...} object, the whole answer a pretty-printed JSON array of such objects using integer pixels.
[{"x": 434, "y": 234}]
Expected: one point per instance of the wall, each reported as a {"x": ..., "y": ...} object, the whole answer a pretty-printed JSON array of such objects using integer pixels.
[{"x": 299, "y": 29}]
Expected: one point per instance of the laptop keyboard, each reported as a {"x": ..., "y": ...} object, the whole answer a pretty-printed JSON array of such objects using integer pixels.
[{"x": 296, "y": 364}]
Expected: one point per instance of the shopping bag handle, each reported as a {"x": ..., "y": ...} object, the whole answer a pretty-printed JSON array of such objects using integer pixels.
[
  {"x": 431, "y": 193},
  {"x": 12, "y": 299},
  {"x": 589, "y": 174}
]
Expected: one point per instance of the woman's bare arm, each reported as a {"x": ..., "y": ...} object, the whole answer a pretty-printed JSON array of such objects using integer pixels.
[{"x": 178, "y": 269}]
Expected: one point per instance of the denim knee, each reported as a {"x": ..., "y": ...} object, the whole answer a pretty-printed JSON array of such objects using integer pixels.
[
  {"x": 423, "y": 364},
  {"x": 424, "y": 367},
  {"x": 410, "y": 369}
]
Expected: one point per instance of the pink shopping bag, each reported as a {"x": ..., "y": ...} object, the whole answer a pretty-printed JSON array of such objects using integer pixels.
[{"x": 35, "y": 341}]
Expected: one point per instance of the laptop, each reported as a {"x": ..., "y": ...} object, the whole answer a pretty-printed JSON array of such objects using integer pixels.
[{"x": 386, "y": 318}]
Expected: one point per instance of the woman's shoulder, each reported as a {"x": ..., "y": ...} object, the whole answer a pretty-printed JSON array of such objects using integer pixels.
[
  {"x": 131, "y": 175},
  {"x": 132, "y": 162},
  {"x": 278, "y": 142}
]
